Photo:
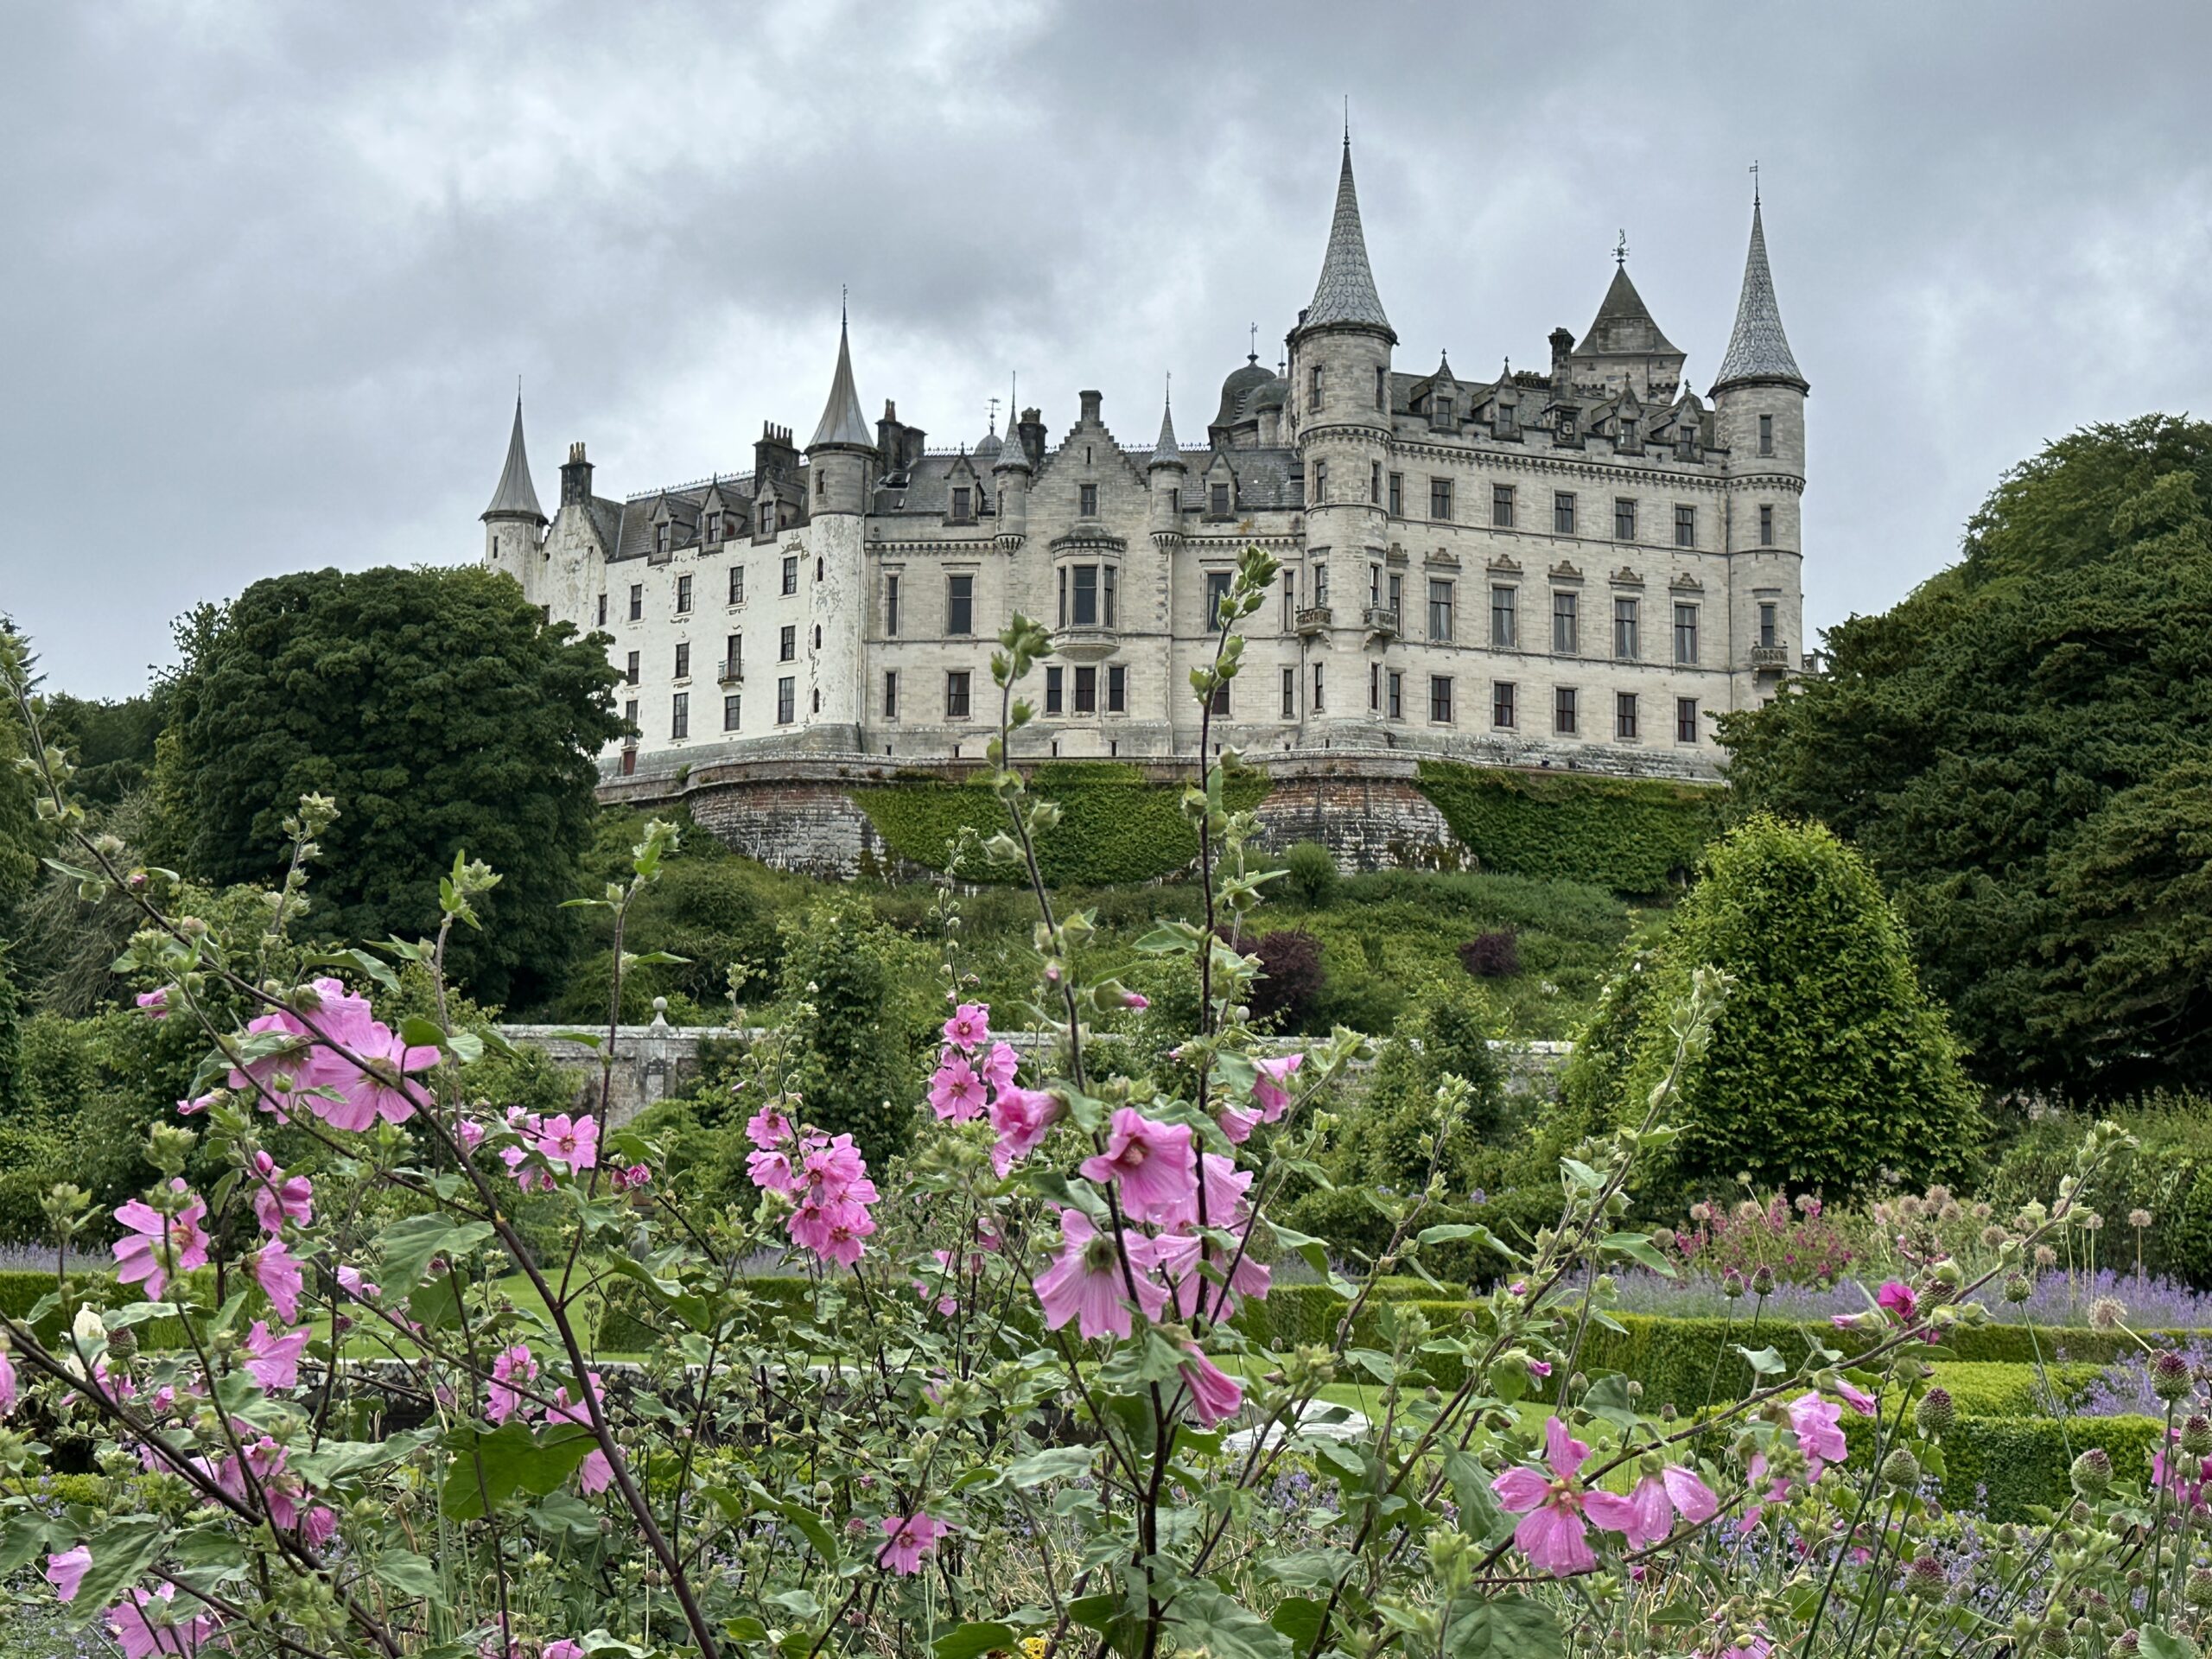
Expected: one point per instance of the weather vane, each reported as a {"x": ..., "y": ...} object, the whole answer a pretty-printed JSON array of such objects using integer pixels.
[
  {"x": 1620, "y": 250},
  {"x": 1755, "y": 184},
  {"x": 1253, "y": 353},
  {"x": 993, "y": 403}
]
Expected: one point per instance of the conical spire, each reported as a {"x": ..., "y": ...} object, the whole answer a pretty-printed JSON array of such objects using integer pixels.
[
  {"x": 1758, "y": 350},
  {"x": 1345, "y": 296},
  {"x": 515, "y": 496},
  {"x": 842, "y": 421},
  {"x": 1167, "y": 452}
]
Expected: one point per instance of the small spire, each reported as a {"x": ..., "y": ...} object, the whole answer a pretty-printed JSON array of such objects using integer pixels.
[
  {"x": 1012, "y": 453},
  {"x": 1757, "y": 348},
  {"x": 1167, "y": 451},
  {"x": 516, "y": 497},
  {"x": 842, "y": 421},
  {"x": 1346, "y": 293}
]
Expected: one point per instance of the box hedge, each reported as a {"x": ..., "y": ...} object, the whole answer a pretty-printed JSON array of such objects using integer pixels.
[{"x": 22, "y": 1288}]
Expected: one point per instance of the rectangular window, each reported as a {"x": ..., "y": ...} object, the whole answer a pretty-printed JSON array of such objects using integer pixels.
[
  {"x": 1375, "y": 688},
  {"x": 1321, "y": 480},
  {"x": 1624, "y": 518},
  {"x": 1052, "y": 681},
  {"x": 1117, "y": 688},
  {"x": 1685, "y": 527},
  {"x": 602, "y": 610},
  {"x": 1317, "y": 688},
  {"x": 1625, "y": 715},
  {"x": 955, "y": 694},
  {"x": 1086, "y": 595},
  {"x": 1086, "y": 690},
  {"x": 787, "y": 642},
  {"x": 960, "y": 604},
  {"x": 1439, "y": 699},
  {"x": 1397, "y": 594},
  {"x": 1562, "y": 512},
  {"x": 1439, "y": 499},
  {"x": 891, "y": 694},
  {"x": 1382, "y": 386},
  {"x": 890, "y": 607},
  {"x": 682, "y": 595},
  {"x": 1768, "y": 637},
  {"x": 1563, "y": 711},
  {"x": 791, "y": 573},
  {"x": 1684, "y": 720},
  {"x": 1289, "y": 600},
  {"x": 1313, "y": 387},
  {"x": 683, "y": 659},
  {"x": 1394, "y": 689},
  {"x": 1500, "y": 505},
  {"x": 1218, "y": 500},
  {"x": 1106, "y": 583},
  {"x": 1217, "y": 591},
  {"x": 729, "y": 711},
  {"x": 1766, "y": 434},
  {"x": 631, "y": 672},
  {"x": 737, "y": 584},
  {"x": 1320, "y": 584},
  {"x": 679, "y": 714},
  {"x": 1290, "y": 694},
  {"x": 1439, "y": 611},
  {"x": 1060, "y": 581},
  {"x": 1625, "y": 642},
  {"x": 962, "y": 498},
  {"x": 1565, "y": 624},
  {"x": 1500, "y": 705},
  {"x": 1685, "y": 634},
  {"x": 663, "y": 538},
  {"x": 1504, "y": 614},
  {"x": 637, "y": 601},
  {"x": 1087, "y": 499},
  {"x": 1220, "y": 705},
  {"x": 1397, "y": 495},
  {"x": 1375, "y": 481},
  {"x": 786, "y": 700},
  {"x": 1766, "y": 526},
  {"x": 630, "y": 720}
]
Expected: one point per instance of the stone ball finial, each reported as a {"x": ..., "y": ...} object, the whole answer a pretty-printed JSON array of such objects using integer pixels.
[{"x": 660, "y": 1010}]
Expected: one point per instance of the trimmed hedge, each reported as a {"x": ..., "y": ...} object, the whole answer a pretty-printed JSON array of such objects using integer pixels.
[
  {"x": 1632, "y": 834},
  {"x": 1114, "y": 827},
  {"x": 21, "y": 1289},
  {"x": 2004, "y": 1468}
]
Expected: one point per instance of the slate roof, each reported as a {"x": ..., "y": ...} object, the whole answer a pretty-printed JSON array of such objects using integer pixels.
[
  {"x": 1623, "y": 326},
  {"x": 516, "y": 494},
  {"x": 1758, "y": 350},
  {"x": 842, "y": 421},
  {"x": 1167, "y": 452},
  {"x": 1345, "y": 295},
  {"x": 1237, "y": 391}
]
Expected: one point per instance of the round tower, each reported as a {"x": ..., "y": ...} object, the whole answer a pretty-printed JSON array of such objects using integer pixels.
[
  {"x": 839, "y": 460},
  {"x": 1165, "y": 472},
  {"x": 514, "y": 524},
  {"x": 1758, "y": 402},
  {"x": 1010, "y": 474}
]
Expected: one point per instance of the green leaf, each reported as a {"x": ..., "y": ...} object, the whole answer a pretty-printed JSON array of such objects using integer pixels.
[
  {"x": 417, "y": 1032},
  {"x": 1054, "y": 1462},
  {"x": 1298, "y": 1617},
  {"x": 407, "y": 1246},
  {"x": 1207, "y": 1618},
  {"x": 1503, "y": 1627},
  {"x": 488, "y": 1469},
  {"x": 2157, "y": 1644},
  {"x": 1314, "y": 1251},
  {"x": 120, "y": 1554},
  {"x": 1638, "y": 1248},
  {"x": 971, "y": 1640},
  {"x": 409, "y": 1573},
  {"x": 1765, "y": 1362},
  {"x": 26, "y": 1535}
]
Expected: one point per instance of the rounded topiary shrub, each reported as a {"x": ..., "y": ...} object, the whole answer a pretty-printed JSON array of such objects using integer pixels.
[
  {"x": 1492, "y": 954},
  {"x": 1310, "y": 874}
]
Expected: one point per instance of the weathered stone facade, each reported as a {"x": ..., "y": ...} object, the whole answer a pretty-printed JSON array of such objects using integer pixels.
[{"x": 1573, "y": 567}]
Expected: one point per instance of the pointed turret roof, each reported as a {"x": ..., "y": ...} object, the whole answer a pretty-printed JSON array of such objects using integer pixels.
[
  {"x": 1758, "y": 350},
  {"x": 1345, "y": 296},
  {"x": 516, "y": 495},
  {"x": 1167, "y": 452},
  {"x": 1624, "y": 324},
  {"x": 842, "y": 421}
]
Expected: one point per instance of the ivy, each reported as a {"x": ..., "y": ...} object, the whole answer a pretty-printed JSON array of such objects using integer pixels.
[{"x": 1632, "y": 834}]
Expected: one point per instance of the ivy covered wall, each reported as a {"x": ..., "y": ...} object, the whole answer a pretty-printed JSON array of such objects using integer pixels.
[{"x": 1632, "y": 835}]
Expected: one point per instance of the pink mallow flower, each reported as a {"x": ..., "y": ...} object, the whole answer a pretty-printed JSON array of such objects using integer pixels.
[
  {"x": 572, "y": 1142},
  {"x": 1087, "y": 1283},
  {"x": 1023, "y": 1117},
  {"x": 514, "y": 1365},
  {"x": 66, "y": 1571},
  {"x": 1657, "y": 1499},
  {"x": 1814, "y": 1420},
  {"x": 1215, "y": 1396},
  {"x": 770, "y": 1170},
  {"x": 956, "y": 1090},
  {"x": 906, "y": 1539},
  {"x": 566, "y": 1648},
  {"x": 8, "y": 1383},
  {"x": 279, "y": 1198},
  {"x": 970, "y": 1025},
  {"x": 1271, "y": 1088},
  {"x": 155, "y": 1005},
  {"x": 274, "y": 1360},
  {"x": 768, "y": 1128},
  {"x": 379, "y": 1090},
  {"x": 1136, "y": 1000},
  {"x": 1557, "y": 1510},
  {"x": 160, "y": 1246},
  {"x": 144, "y": 1627},
  {"x": 277, "y": 1271},
  {"x": 1150, "y": 1162},
  {"x": 595, "y": 1474},
  {"x": 998, "y": 1065}
]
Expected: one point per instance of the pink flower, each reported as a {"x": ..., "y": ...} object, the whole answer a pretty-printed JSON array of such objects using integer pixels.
[
  {"x": 634, "y": 1178},
  {"x": 572, "y": 1142},
  {"x": 970, "y": 1025},
  {"x": 66, "y": 1571},
  {"x": 1087, "y": 1283},
  {"x": 1237, "y": 1122},
  {"x": 1023, "y": 1117},
  {"x": 768, "y": 1128},
  {"x": 382, "y": 1090},
  {"x": 351, "y": 1282},
  {"x": 271, "y": 1078},
  {"x": 1150, "y": 1162},
  {"x": 1858, "y": 1399},
  {"x": 155, "y": 1005},
  {"x": 1897, "y": 1300},
  {"x": 956, "y": 1092},
  {"x": 1000, "y": 1065},
  {"x": 1813, "y": 1420},
  {"x": 1225, "y": 1188},
  {"x": 277, "y": 1197},
  {"x": 319, "y": 1526},
  {"x": 278, "y": 1274},
  {"x": 1136, "y": 1000},
  {"x": 1657, "y": 1499},
  {"x": 1215, "y": 1396},
  {"x": 144, "y": 1627},
  {"x": 1553, "y": 1535},
  {"x": 906, "y": 1539},
  {"x": 1270, "y": 1088},
  {"x": 469, "y": 1133},
  {"x": 160, "y": 1246},
  {"x": 516, "y": 1364},
  {"x": 274, "y": 1360},
  {"x": 770, "y": 1170},
  {"x": 564, "y": 1649},
  {"x": 595, "y": 1474},
  {"x": 8, "y": 1383},
  {"x": 834, "y": 1193}
]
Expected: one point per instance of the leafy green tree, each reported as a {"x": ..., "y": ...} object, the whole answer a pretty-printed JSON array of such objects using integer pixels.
[
  {"x": 110, "y": 744},
  {"x": 20, "y": 840},
  {"x": 1827, "y": 1064},
  {"x": 861, "y": 1048},
  {"x": 2018, "y": 749},
  {"x": 442, "y": 714}
]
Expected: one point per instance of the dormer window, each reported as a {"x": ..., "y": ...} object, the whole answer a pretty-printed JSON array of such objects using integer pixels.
[
  {"x": 1217, "y": 499},
  {"x": 663, "y": 537},
  {"x": 963, "y": 503},
  {"x": 714, "y": 529}
]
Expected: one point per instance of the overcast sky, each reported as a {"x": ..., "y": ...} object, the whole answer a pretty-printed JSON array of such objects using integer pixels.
[{"x": 272, "y": 271}]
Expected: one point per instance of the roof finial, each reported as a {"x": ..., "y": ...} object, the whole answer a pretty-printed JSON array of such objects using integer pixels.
[
  {"x": 841, "y": 305},
  {"x": 1620, "y": 250},
  {"x": 994, "y": 404},
  {"x": 1347, "y": 120},
  {"x": 1168, "y": 396},
  {"x": 1252, "y": 352},
  {"x": 1755, "y": 184}
]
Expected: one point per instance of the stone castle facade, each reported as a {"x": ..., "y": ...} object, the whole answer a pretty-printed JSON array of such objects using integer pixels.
[{"x": 1574, "y": 567}]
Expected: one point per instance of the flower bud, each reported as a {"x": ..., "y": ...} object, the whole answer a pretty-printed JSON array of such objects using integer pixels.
[
  {"x": 1901, "y": 1469},
  {"x": 2055, "y": 1639},
  {"x": 2170, "y": 1377},
  {"x": 2199, "y": 1588},
  {"x": 2196, "y": 1434},
  {"x": 1936, "y": 1412},
  {"x": 1925, "y": 1576},
  {"x": 2091, "y": 1474},
  {"x": 1762, "y": 1280},
  {"x": 1731, "y": 1284},
  {"x": 2019, "y": 1287}
]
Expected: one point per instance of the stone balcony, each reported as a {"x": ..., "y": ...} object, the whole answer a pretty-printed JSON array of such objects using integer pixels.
[
  {"x": 730, "y": 673},
  {"x": 1380, "y": 620},
  {"x": 1315, "y": 619},
  {"x": 1770, "y": 658}
]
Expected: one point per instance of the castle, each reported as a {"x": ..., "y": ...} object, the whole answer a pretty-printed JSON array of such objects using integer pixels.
[{"x": 1570, "y": 567}]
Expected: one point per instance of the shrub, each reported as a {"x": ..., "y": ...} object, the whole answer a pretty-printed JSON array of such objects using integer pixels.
[
  {"x": 861, "y": 1050},
  {"x": 1311, "y": 875},
  {"x": 1292, "y": 978},
  {"x": 2169, "y": 1174},
  {"x": 1495, "y": 954},
  {"x": 1628, "y": 834}
]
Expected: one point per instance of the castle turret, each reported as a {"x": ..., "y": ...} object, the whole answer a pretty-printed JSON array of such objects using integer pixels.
[
  {"x": 1164, "y": 472},
  {"x": 1010, "y": 474},
  {"x": 842, "y": 445},
  {"x": 1759, "y": 401},
  {"x": 838, "y": 459},
  {"x": 514, "y": 522}
]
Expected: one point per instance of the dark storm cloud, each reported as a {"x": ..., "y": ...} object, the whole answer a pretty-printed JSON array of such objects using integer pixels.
[{"x": 273, "y": 269}]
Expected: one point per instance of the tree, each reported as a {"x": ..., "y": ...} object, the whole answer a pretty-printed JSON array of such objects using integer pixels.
[
  {"x": 20, "y": 841},
  {"x": 442, "y": 714},
  {"x": 1827, "y": 1064},
  {"x": 2018, "y": 736},
  {"x": 858, "y": 997}
]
